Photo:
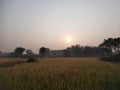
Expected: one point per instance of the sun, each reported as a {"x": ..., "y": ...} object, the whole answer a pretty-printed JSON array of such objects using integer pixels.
[{"x": 68, "y": 39}]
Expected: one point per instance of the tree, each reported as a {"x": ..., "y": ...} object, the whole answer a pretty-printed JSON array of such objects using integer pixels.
[
  {"x": 42, "y": 51},
  {"x": 117, "y": 44},
  {"x": 19, "y": 51},
  {"x": 77, "y": 51},
  {"x": 111, "y": 44},
  {"x": 29, "y": 52},
  {"x": 107, "y": 45}
]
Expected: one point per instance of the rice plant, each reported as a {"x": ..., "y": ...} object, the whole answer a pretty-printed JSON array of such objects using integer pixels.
[{"x": 60, "y": 74}]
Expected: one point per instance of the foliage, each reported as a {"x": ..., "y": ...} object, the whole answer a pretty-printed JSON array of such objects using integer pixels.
[
  {"x": 19, "y": 51},
  {"x": 112, "y": 58},
  {"x": 44, "y": 51},
  {"x": 111, "y": 44},
  {"x": 32, "y": 59},
  {"x": 62, "y": 74},
  {"x": 29, "y": 53},
  {"x": 77, "y": 51}
]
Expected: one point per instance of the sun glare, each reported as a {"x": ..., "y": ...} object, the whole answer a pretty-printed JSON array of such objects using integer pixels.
[{"x": 68, "y": 39}]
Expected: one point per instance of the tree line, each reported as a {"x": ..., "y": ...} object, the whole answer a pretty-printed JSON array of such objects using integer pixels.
[
  {"x": 107, "y": 47},
  {"x": 77, "y": 51}
]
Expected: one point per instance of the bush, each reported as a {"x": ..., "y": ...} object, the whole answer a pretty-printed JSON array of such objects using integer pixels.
[
  {"x": 32, "y": 59},
  {"x": 113, "y": 58}
]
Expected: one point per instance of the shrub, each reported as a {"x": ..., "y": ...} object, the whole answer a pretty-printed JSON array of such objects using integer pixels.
[
  {"x": 32, "y": 59},
  {"x": 113, "y": 58}
]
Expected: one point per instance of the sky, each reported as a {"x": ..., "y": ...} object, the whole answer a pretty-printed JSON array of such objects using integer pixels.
[{"x": 35, "y": 23}]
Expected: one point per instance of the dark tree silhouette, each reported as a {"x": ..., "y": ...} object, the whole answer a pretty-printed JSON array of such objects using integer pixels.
[
  {"x": 42, "y": 51},
  {"x": 77, "y": 51},
  {"x": 19, "y": 51},
  {"x": 117, "y": 44},
  {"x": 29, "y": 52},
  {"x": 107, "y": 45},
  {"x": 111, "y": 44}
]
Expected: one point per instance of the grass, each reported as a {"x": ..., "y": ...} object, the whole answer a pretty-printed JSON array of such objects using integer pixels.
[{"x": 60, "y": 74}]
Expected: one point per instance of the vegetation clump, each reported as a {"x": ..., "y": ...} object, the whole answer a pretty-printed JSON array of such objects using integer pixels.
[
  {"x": 112, "y": 58},
  {"x": 32, "y": 59}
]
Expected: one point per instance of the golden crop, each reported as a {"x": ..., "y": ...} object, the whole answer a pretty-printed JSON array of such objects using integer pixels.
[{"x": 59, "y": 74}]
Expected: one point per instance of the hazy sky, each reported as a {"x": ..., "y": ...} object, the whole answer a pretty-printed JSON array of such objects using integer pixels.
[{"x": 35, "y": 23}]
